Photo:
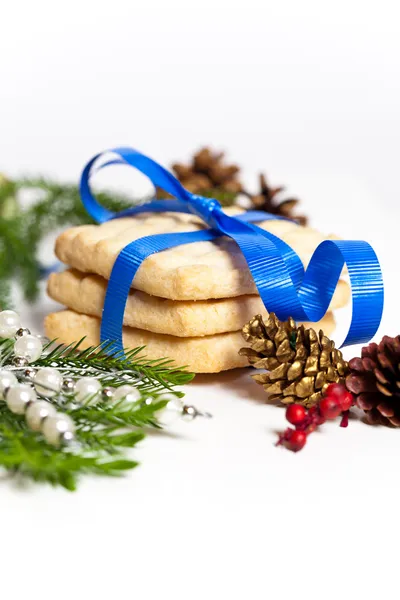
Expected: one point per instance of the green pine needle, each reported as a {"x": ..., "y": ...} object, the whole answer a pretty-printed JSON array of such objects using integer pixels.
[
  {"x": 22, "y": 230},
  {"x": 103, "y": 430}
]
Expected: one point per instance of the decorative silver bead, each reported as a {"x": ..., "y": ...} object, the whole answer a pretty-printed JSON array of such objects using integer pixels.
[
  {"x": 68, "y": 386},
  {"x": 22, "y": 331},
  {"x": 30, "y": 373},
  {"x": 20, "y": 362},
  {"x": 107, "y": 393},
  {"x": 189, "y": 413}
]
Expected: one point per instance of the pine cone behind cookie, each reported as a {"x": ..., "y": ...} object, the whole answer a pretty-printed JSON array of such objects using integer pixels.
[{"x": 208, "y": 172}]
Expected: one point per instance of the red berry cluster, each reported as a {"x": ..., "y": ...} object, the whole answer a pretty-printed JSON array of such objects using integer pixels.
[{"x": 337, "y": 400}]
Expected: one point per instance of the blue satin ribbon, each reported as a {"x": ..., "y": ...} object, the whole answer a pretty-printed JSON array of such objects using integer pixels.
[{"x": 284, "y": 286}]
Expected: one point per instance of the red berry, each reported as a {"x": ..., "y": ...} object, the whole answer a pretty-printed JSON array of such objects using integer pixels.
[
  {"x": 295, "y": 414},
  {"x": 341, "y": 394},
  {"x": 329, "y": 407},
  {"x": 347, "y": 401},
  {"x": 336, "y": 390},
  {"x": 295, "y": 440}
]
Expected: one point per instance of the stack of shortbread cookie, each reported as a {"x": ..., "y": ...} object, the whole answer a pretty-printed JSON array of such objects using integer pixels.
[{"x": 188, "y": 303}]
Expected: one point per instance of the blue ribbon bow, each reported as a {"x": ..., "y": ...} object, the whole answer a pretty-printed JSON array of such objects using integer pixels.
[{"x": 284, "y": 286}]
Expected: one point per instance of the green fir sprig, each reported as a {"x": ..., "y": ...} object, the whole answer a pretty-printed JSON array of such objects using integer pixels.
[
  {"x": 22, "y": 229},
  {"x": 104, "y": 431},
  {"x": 112, "y": 368}
]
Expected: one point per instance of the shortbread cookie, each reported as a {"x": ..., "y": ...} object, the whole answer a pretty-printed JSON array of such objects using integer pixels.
[
  {"x": 85, "y": 294},
  {"x": 198, "y": 271},
  {"x": 210, "y": 354}
]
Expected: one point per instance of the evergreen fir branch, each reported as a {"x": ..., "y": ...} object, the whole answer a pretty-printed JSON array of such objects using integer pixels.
[
  {"x": 26, "y": 454},
  {"x": 112, "y": 368},
  {"x": 5, "y": 290},
  {"x": 140, "y": 414},
  {"x": 103, "y": 430},
  {"x": 22, "y": 230}
]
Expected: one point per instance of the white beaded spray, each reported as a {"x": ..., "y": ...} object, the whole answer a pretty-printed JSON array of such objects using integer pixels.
[{"x": 39, "y": 384}]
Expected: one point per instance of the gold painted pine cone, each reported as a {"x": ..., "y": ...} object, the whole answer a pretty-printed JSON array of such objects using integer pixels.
[
  {"x": 375, "y": 381},
  {"x": 300, "y": 363}
]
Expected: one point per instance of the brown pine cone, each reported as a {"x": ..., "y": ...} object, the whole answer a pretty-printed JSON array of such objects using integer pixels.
[
  {"x": 267, "y": 200},
  {"x": 300, "y": 364},
  {"x": 207, "y": 173},
  {"x": 375, "y": 381}
]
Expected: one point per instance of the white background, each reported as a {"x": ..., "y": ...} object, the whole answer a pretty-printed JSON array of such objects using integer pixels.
[{"x": 308, "y": 91}]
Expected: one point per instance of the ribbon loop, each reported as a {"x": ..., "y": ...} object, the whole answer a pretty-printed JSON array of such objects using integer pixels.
[{"x": 283, "y": 284}]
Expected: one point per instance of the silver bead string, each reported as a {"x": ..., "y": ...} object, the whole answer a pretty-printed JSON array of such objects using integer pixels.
[{"x": 30, "y": 398}]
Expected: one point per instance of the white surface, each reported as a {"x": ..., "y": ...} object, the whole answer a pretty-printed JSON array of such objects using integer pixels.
[{"x": 310, "y": 92}]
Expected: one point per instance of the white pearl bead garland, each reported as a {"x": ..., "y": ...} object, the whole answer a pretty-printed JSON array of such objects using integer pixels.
[
  {"x": 19, "y": 397},
  {"x": 87, "y": 389},
  {"x": 9, "y": 323},
  {"x": 126, "y": 395},
  {"x": 41, "y": 415},
  {"x": 37, "y": 412},
  {"x": 171, "y": 411},
  {"x": 28, "y": 347},
  {"x": 48, "y": 382},
  {"x": 57, "y": 426},
  {"x": 7, "y": 379}
]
